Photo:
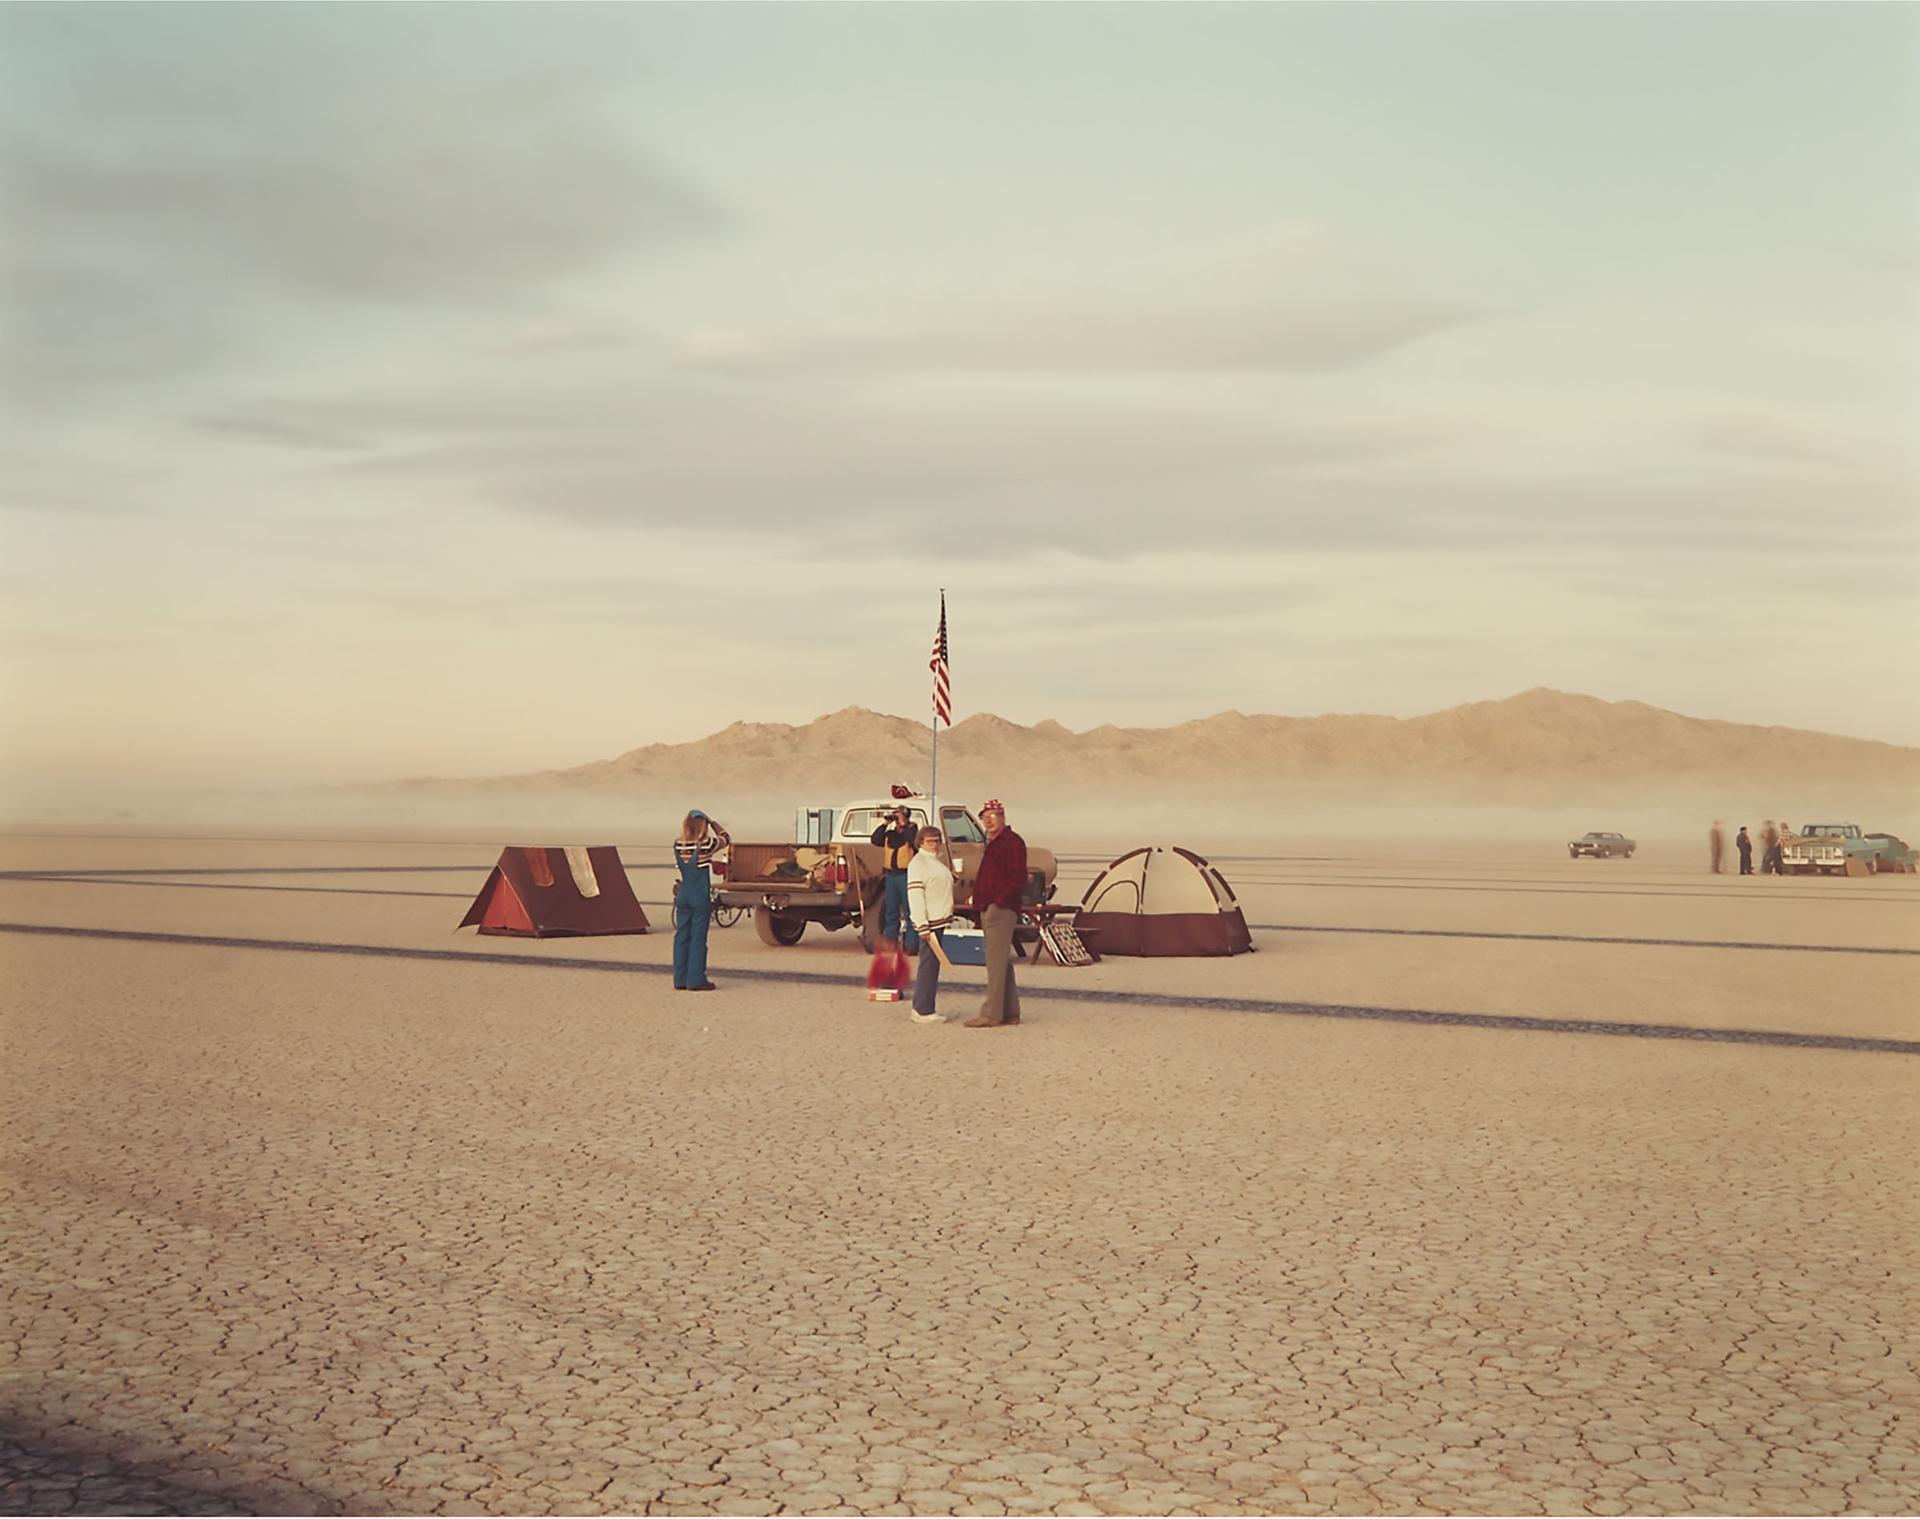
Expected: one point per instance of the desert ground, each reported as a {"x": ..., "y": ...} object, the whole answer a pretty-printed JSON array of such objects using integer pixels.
[{"x": 1494, "y": 1182}]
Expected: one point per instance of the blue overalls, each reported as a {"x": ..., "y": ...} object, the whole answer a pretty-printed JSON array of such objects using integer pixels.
[
  {"x": 896, "y": 918},
  {"x": 695, "y": 894}
]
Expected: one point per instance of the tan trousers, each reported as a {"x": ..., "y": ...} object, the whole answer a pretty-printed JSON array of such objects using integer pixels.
[{"x": 1003, "y": 997}]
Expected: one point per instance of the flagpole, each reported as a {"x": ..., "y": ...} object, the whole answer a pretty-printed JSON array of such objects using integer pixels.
[{"x": 933, "y": 786}]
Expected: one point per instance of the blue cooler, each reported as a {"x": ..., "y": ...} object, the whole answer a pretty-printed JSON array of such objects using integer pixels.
[{"x": 965, "y": 946}]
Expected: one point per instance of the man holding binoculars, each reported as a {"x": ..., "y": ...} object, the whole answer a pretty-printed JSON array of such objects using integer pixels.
[{"x": 896, "y": 835}]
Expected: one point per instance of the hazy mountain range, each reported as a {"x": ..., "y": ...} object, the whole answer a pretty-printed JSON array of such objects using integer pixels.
[{"x": 1539, "y": 746}]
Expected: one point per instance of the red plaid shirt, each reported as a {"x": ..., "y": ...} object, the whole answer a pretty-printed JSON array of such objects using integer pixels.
[{"x": 1002, "y": 880}]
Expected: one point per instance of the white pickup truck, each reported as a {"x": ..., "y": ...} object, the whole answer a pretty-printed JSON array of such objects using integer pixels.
[{"x": 832, "y": 872}]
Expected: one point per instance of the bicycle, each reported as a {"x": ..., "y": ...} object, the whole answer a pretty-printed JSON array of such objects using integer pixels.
[{"x": 723, "y": 915}]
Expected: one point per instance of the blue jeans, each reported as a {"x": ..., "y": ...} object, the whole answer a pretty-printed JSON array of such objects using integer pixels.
[
  {"x": 896, "y": 919},
  {"x": 695, "y": 893},
  {"x": 926, "y": 979}
]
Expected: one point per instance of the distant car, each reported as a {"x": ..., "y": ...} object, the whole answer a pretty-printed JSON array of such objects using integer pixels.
[{"x": 1601, "y": 846}]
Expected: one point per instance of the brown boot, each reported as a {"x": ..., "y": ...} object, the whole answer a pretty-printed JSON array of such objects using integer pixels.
[{"x": 980, "y": 1022}]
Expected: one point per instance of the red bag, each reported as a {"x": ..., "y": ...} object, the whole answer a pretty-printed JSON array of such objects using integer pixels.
[{"x": 889, "y": 975}]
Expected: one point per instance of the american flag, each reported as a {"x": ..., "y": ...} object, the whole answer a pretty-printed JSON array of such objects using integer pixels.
[{"x": 942, "y": 691}]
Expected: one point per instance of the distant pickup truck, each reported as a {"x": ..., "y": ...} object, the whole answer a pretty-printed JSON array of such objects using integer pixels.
[
  {"x": 1842, "y": 849},
  {"x": 834, "y": 874},
  {"x": 1601, "y": 846}
]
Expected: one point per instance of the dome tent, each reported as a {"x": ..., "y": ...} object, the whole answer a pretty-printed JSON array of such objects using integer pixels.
[{"x": 1163, "y": 901}]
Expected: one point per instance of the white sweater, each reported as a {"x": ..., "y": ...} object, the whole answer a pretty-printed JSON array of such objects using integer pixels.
[{"x": 929, "y": 892}]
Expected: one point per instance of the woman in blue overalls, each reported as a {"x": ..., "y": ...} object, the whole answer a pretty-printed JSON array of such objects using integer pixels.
[{"x": 701, "y": 841}]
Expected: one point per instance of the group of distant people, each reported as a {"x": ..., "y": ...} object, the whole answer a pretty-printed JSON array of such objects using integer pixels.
[
  {"x": 1773, "y": 847},
  {"x": 916, "y": 905}
]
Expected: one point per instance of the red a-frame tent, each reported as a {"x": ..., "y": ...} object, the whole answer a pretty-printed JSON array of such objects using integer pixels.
[{"x": 539, "y": 893}]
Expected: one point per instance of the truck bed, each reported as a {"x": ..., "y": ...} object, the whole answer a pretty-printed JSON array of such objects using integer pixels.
[{"x": 764, "y": 868}]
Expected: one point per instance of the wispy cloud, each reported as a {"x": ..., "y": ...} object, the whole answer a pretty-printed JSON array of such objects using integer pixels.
[
  {"x": 44, "y": 641},
  {"x": 1100, "y": 478},
  {"x": 282, "y": 431},
  {"x": 1170, "y": 337},
  {"x": 1106, "y": 479},
  {"x": 1772, "y": 441}
]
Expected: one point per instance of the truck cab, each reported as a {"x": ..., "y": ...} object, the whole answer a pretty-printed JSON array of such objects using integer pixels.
[
  {"x": 1830, "y": 831},
  {"x": 855, "y": 822},
  {"x": 1824, "y": 849}
]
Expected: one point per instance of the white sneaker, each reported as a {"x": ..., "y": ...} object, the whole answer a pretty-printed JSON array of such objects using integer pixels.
[{"x": 928, "y": 1018}]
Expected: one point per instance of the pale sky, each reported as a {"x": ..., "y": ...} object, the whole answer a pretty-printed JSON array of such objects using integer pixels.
[{"x": 463, "y": 390}]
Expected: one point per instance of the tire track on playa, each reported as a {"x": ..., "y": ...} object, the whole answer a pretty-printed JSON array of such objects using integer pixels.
[
  {"x": 1523, "y": 886},
  {"x": 342, "y": 891},
  {"x": 1485, "y": 933},
  {"x": 1320, "y": 883},
  {"x": 95, "y": 872},
  {"x": 164, "y": 875},
  {"x": 1423, "y": 1016},
  {"x": 1278, "y": 928}
]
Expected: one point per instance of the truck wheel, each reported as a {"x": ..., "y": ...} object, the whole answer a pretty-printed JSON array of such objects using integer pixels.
[
  {"x": 782, "y": 930},
  {"x": 1629, "y": 854}
]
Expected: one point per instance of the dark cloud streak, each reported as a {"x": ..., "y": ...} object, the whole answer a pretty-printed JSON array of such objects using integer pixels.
[
  {"x": 1105, "y": 482},
  {"x": 1164, "y": 338},
  {"x": 150, "y": 233},
  {"x": 281, "y": 432},
  {"x": 393, "y": 206}
]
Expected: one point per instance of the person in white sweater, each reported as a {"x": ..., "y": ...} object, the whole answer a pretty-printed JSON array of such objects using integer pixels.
[{"x": 930, "y": 905}]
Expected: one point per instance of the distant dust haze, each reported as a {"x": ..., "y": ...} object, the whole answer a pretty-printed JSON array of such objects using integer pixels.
[{"x": 1538, "y": 767}]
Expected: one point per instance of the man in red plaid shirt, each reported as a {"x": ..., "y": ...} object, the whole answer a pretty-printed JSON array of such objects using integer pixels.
[{"x": 998, "y": 887}]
